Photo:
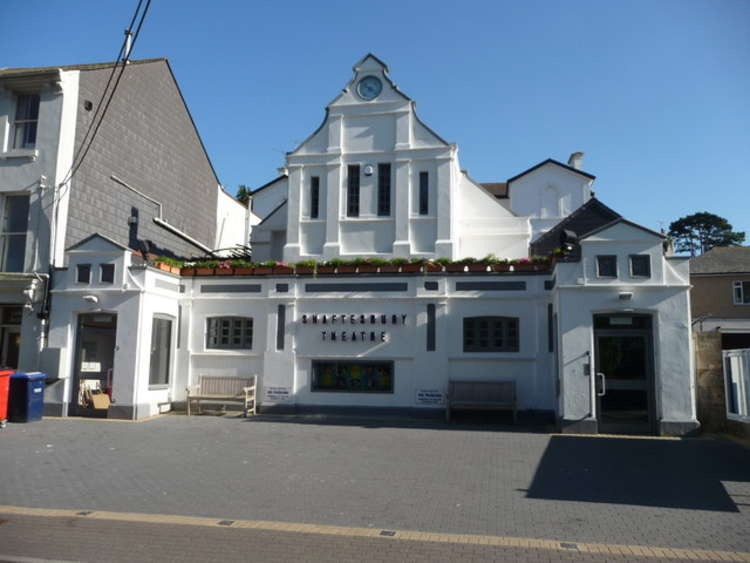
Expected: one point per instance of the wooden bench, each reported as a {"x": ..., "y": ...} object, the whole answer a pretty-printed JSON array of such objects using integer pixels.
[
  {"x": 223, "y": 389},
  {"x": 500, "y": 395}
]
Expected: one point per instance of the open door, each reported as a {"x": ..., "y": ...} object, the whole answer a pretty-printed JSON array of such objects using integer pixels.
[{"x": 94, "y": 364}]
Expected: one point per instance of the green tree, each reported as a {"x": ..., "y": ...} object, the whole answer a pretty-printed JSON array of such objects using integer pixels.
[
  {"x": 243, "y": 194},
  {"x": 700, "y": 232}
]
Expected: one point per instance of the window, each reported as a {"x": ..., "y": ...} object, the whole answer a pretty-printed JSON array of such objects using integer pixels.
[
  {"x": 13, "y": 235},
  {"x": 424, "y": 193},
  {"x": 741, "y": 292},
  {"x": 107, "y": 273},
  {"x": 737, "y": 384},
  {"x": 83, "y": 273},
  {"x": 640, "y": 265},
  {"x": 352, "y": 377},
  {"x": 280, "y": 326},
  {"x": 229, "y": 333},
  {"x": 431, "y": 327},
  {"x": 352, "y": 191},
  {"x": 384, "y": 190},
  {"x": 314, "y": 197},
  {"x": 161, "y": 351},
  {"x": 606, "y": 266},
  {"x": 490, "y": 334},
  {"x": 24, "y": 126}
]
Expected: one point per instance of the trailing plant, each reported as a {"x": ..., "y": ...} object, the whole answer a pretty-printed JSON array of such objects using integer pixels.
[
  {"x": 467, "y": 260},
  {"x": 379, "y": 262},
  {"x": 335, "y": 262},
  {"x": 417, "y": 261},
  {"x": 399, "y": 261},
  {"x": 241, "y": 263},
  {"x": 270, "y": 263},
  {"x": 206, "y": 263},
  {"x": 170, "y": 261}
]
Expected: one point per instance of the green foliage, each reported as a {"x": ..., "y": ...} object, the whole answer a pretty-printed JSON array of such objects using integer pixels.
[
  {"x": 243, "y": 194},
  {"x": 415, "y": 261},
  {"x": 700, "y": 232},
  {"x": 239, "y": 263},
  {"x": 206, "y": 263},
  {"x": 269, "y": 263},
  {"x": 335, "y": 262},
  {"x": 467, "y": 260},
  {"x": 443, "y": 261},
  {"x": 379, "y": 262},
  {"x": 170, "y": 261},
  {"x": 400, "y": 261},
  {"x": 306, "y": 264}
]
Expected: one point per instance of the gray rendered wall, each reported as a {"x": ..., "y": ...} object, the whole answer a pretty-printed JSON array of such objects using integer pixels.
[{"x": 147, "y": 140}]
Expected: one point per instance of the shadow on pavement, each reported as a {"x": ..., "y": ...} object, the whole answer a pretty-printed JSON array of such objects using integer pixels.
[{"x": 661, "y": 473}]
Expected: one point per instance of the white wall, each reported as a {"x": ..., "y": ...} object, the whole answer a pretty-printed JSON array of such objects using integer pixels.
[{"x": 233, "y": 221}]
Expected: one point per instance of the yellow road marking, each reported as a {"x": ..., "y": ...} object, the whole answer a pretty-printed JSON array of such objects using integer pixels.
[
  {"x": 97, "y": 419},
  {"x": 397, "y": 535}
]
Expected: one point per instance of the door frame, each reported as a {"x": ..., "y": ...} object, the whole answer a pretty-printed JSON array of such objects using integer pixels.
[
  {"x": 648, "y": 334},
  {"x": 73, "y": 409}
]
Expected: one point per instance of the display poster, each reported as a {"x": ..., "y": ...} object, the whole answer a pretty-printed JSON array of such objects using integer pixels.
[{"x": 274, "y": 394}]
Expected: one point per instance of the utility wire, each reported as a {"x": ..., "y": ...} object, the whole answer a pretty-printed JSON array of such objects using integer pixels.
[{"x": 83, "y": 152}]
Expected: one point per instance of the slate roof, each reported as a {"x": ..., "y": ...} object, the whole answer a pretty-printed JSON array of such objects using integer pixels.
[
  {"x": 498, "y": 189},
  {"x": 553, "y": 161},
  {"x": 10, "y": 72},
  {"x": 722, "y": 260},
  {"x": 590, "y": 216}
]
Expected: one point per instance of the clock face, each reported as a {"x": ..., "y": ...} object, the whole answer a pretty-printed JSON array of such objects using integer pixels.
[{"x": 369, "y": 88}]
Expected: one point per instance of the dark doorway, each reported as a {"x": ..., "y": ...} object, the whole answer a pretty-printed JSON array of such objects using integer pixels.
[
  {"x": 624, "y": 374},
  {"x": 735, "y": 340},
  {"x": 95, "y": 354},
  {"x": 10, "y": 336}
]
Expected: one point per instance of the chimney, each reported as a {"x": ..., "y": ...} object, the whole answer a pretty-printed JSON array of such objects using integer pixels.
[{"x": 576, "y": 160}]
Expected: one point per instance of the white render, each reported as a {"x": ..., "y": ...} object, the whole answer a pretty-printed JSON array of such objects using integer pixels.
[{"x": 464, "y": 219}]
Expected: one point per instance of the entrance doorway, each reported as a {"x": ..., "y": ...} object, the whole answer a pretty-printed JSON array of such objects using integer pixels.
[
  {"x": 94, "y": 363},
  {"x": 624, "y": 374},
  {"x": 10, "y": 336}
]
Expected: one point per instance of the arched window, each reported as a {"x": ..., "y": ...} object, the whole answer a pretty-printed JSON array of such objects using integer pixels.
[
  {"x": 229, "y": 333},
  {"x": 490, "y": 334}
]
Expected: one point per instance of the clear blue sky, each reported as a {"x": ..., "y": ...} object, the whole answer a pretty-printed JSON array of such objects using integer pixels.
[{"x": 656, "y": 93}]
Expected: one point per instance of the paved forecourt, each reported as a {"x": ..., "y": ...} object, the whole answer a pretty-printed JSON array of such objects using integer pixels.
[{"x": 470, "y": 481}]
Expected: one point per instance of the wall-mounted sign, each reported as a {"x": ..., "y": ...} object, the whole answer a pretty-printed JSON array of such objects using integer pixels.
[
  {"x": 360, "y": 326},
  {"x": 91, "y": 366},
  {"x": 432, "y": 397},
  {"x": 274, "y": 394}
]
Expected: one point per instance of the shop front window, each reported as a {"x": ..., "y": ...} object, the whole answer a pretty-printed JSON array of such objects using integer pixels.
[{"x": 352, "y": 377}]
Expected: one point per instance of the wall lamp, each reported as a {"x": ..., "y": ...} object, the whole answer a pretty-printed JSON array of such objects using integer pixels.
[
  {"x": 93, "y": 299},
  {"x": 625, "y": 295}
]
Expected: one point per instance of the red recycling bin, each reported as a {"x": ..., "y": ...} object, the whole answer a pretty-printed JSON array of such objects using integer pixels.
[{"x": 4, "y": 386}]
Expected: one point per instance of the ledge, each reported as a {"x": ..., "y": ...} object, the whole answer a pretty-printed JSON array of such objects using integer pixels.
[{"x": 31, "y": 154}]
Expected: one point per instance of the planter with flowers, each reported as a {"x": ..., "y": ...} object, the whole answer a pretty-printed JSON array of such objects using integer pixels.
[
  {"x": 343, "y": 266},
  {"x": 282, "y": 268},
  {"x": 435, "y": 266},
  {"x": 305, "y": 267},
  {"x": 166, "y": 264},
  {"x": 497, "y": 264},
  {"x": 265, "y": 268},
  {"x": 365, "y": 265},
  {"x": 328, "y": 267},
  {"x": 474, "y": 265},
  {"x": 188, "y": 269},
  {"x": 413, "y": 266},
  {"x": 205, "y": 267},
  {"x": 393, "y": 266},
  {"x": 224, "y": 268},
  {"x": 242, "y": 267}
]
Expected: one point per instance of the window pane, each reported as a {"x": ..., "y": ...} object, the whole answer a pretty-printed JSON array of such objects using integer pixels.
[
  {"x": 16, "y": 214},
  {"x": 107, "y": 273},
  {"x": 314, "y": 196},
  {"x": 424, "y": 193},
  {"x": 161, "y": 340},
  {"x": 13, "y": 252},
  {"x": 745, "y": 292},
  {"x": 352, "y": 201},
  {"x": 27, "y": 108},
  {"x": 83, "y": 273},
  {"x": 490, "y": 334},
  {"x": 606, "y": 266},
  {"x": 230, "y": 333},
  {"x": 384, "y": 189},
  {"x": 640, "y": 265}
]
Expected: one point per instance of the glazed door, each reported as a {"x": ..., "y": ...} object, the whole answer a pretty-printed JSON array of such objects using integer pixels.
[
  {"x": 624, "y": 381},
  {"x": 95, "y": 354}
]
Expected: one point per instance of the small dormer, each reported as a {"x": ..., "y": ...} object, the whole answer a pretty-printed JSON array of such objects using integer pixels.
[{"x": 97, "y": 262}]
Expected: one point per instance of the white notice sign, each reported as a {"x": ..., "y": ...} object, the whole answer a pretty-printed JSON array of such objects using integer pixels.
[
  {"x": 433, "y": 397},
  {"x": 91, "y": 366},
  {"x": 276, "y": 394}
]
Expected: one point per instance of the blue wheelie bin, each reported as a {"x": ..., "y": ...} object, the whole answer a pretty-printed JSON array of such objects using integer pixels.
[{"x": 26, "y": 397}]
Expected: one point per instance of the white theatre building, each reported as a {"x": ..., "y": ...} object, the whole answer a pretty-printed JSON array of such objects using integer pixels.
[{"x": 598, "y": 342}]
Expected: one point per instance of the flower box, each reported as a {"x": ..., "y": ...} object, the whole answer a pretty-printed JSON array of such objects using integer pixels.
[
  {"x": 524, "y": 267},
  {"x": 326, "y": 269},
  {"x": 455, "y": 267},
  {"x": 480, "y": 267},
  {"x": 411, "y": 268},
  {"x": 433, "y": 267},
  {"x": 224, "y": 271},
  {"x": 305, "y": 270},
  {"x": 346, "y": 269},
  {"x": 367, "y": 269},
  {"x": 187, "y": 271},
  {"x": 283, "y": 270},
  {"x": 163, "y": 267},
  {"x": 204, "y": 271},
  {"x": 500, "y": 267},
  {"x": 263, "y": 269},
  {"x": 389, "y": 269},
  {"x": 244, "y": 271}
]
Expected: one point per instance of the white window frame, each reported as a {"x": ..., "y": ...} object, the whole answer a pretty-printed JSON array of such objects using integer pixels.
[
  {"x": 736, "y": 366},
  {"x": 229, "y": 347},
  {"x": 5, "y": 236},
  {"x": 738, "y": 293},
  {"x": 101, "y": 273},
  {"x": 630, "y": 265},
  {"x": 617, "y": 267}
]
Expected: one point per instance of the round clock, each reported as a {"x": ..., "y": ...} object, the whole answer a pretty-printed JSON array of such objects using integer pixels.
[{"x": 369, "y": 87}]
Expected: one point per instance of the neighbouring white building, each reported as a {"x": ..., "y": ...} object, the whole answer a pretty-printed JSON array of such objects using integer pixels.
[{"x": 599, "y": 341}]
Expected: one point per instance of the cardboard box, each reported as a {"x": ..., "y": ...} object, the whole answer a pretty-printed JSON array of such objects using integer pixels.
[{"x": 100, "y": 400}]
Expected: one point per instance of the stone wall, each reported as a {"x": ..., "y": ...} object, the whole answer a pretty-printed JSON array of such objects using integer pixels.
[{"x": 709, "y": 381}]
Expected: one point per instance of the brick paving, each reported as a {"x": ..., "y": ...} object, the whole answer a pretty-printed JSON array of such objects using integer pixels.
[{"x": 406, "y": 476}]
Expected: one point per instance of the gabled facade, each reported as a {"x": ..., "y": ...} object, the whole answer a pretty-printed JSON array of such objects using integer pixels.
[{"x": 374, "y": 180}]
